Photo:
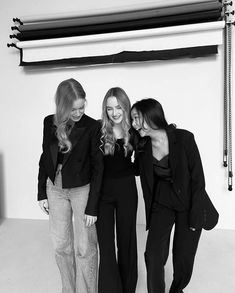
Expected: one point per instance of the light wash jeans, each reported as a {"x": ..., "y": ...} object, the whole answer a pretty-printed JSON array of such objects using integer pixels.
[{"x": 75, "y": 245}]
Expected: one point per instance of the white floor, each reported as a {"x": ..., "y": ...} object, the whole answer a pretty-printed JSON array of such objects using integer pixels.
[{"x": 27, "y": 262}]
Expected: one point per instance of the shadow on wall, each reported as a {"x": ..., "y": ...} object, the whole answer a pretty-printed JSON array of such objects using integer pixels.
[{"x": 2, "y": 192}]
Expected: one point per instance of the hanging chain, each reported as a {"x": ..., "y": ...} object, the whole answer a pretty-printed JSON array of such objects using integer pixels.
[
  {"x": 225, "y": 139},
  {"x": 227, "y": 143},
  {"x": 229, "y": 89}
]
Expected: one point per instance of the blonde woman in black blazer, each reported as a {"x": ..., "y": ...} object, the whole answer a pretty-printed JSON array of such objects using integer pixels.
[
  {"x": 173, "y": 186},
  {"x": 69, "y": 180},
  {"x": 118, "y": 201}
]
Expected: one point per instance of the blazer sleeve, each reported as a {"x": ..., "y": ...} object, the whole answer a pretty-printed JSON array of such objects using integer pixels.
[
  {"x": 42, "y": 174},
  {"x": 202, "y": 214},
  {"x": 97, "y": 167},
  {"x": 197, "y": 184}
]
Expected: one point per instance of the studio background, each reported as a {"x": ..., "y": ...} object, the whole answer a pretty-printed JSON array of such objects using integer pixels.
[{"x": 190, "y": 90}]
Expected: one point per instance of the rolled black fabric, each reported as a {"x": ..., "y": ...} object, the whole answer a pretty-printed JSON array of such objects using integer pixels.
[
  {"x": 122, "y": 16},
  {"x": 138, "y": 24},
  {"x": 128, "y": 56}
]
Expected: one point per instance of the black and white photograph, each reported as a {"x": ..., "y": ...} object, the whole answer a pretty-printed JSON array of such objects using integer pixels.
[{"x": 116, "y": 146}]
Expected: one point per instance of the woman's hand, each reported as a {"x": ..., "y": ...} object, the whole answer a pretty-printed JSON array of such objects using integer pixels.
[
  {"x": 89, "y": 220},
  {"x": 44, "y": 206}
]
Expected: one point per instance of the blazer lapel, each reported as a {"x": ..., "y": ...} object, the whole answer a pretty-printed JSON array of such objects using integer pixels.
[
  {"x": 173, "y": 150},
  {"x": 148, "y": 164},
  {"x": 74, "y": 137}
]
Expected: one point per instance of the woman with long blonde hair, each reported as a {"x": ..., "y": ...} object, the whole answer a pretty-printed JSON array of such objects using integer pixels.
[
  {"x": 118, "y": 203},
  {"x": 69, "y": 180}
]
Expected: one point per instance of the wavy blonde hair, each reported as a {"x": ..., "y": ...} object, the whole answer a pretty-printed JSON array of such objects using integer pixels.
[
  {"x": 67, "y": 92},
  {"x": 108, "y": 140}
]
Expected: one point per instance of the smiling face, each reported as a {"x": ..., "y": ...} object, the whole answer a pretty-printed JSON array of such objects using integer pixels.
[
  {"x": 78, "y": 110},
  {"x": 139, "y": 124},
  {"x": 114, "y": 110}
]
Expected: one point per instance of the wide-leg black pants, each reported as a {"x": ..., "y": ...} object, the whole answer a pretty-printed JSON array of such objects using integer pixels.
[
  {"x": 118, "y": 205},
  {"x": 185, "y": 244}
]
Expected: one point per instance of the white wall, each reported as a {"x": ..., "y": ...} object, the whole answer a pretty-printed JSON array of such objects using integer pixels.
[{"x": 190, "y": 90}]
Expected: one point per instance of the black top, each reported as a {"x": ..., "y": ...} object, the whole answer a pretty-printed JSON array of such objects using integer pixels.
[
  {"x": 161, "y": 168},
  {"x": 117, "y": 165},
  {"x": 164, "y": 194},
  {"x": 60, "y": 157}
]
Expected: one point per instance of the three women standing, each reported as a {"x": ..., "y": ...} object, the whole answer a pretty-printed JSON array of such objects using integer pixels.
[
  {"x": 69, "y": 181},
  {"x": 75, "y": 153}
]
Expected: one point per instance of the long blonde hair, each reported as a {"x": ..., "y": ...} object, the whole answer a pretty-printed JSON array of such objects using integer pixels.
[
  {"x": 67, "y": 92},
  {"x": 108, "y": 140}
]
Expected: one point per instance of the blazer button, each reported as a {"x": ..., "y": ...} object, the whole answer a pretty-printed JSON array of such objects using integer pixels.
[{"x": 178, "y": 191}]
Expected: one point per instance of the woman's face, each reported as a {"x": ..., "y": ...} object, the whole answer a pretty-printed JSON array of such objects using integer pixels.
[
  {"x": 139, "y": 124},
  {"x": 78, "y": 110},
  {"x": 114, "y": 110}
]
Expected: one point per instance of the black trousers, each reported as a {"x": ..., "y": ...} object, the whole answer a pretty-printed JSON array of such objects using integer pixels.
[
  {"x": 185, "y": 244},
  {"x": 118, "y": 205}
]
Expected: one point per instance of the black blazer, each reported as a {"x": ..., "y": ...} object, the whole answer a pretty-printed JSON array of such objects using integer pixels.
[
  {"x": 82, "y": 165},
  {"x": 188, "y": 181}
]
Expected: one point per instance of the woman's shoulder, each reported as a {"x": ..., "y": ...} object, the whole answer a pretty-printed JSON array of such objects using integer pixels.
[
  {"x": 89, "y": 121},
  {"x": 184, "y": 136},
  {"x": 178, "y": 131},
  {"x": 100, "y": 122},
  {"x": 49, "y": 119},
  {"x": 183, "y": 132}
]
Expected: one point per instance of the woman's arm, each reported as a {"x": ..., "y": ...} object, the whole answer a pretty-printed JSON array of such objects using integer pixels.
[
  {"x": 96, "y": 157},
  {"x": 42, "y": 174}
]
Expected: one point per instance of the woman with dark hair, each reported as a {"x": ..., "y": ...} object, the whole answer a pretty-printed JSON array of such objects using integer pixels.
[
  {"x": 69, "y": 180},
  {"x": 173, "y": 186},
  {"x": 118, "y": 203}
]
